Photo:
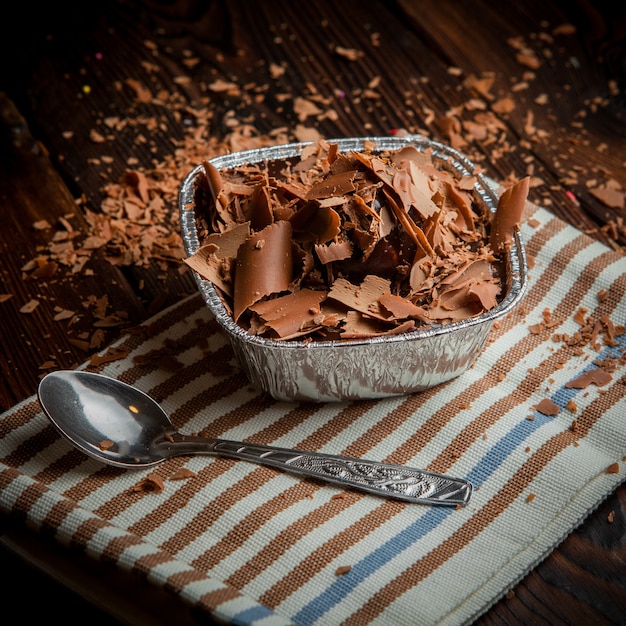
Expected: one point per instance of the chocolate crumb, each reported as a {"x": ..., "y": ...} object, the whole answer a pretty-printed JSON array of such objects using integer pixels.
[
  {"x": 152, "y": 482},
  {"x": 181, "y": 473},
  {"x": 548, "y": 407}
]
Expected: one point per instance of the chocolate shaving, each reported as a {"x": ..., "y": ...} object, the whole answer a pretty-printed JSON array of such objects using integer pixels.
[
  {"x": 332, "y": 186},
  {"x": 263, "y": 266},
  {"x": 292, "y": 315},
  {"x": 597, "y": 377},
  {"x": 401, "y": 308},
  {"x": 547, "y": 407},
  {"x": 151, "y": 482},
  {"x": 509, "y": 214}
]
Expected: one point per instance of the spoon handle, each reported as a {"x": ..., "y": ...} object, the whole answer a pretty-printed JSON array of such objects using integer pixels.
[{"x": 382, "y": 479}]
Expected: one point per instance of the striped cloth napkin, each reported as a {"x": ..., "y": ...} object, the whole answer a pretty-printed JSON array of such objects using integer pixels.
[{"x": 537, "y": 425}]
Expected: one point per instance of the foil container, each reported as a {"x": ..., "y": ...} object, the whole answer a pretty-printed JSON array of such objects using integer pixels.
[{"x": 327, "y": 371}]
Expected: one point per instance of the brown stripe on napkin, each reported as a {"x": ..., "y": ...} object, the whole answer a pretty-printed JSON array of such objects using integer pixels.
[
  {"x": 99, "y": 476},
  {"x": 26, "y": 499},
  {"x": 165, "y": 356},
  {"x": 218, "y": 597},
  {"x": 138, "y": 335},
  {"x": 288, "y": 422},
  {"x": 12, "y": 420},
  {"x": 337, "y": 544},
  {"x": 31, "y": 447},
  {"x": 254, "y": 480},
  {"x": 71, "y": 459}
]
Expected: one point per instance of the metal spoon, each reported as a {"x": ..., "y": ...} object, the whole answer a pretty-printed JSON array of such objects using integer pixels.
[{"x": 120, "y": 425}]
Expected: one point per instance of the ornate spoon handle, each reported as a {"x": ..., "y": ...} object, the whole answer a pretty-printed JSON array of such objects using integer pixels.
[{"x": 382, "y": 479}]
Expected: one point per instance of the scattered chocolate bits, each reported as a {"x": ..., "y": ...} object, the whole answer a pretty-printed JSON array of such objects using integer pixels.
[
  {"x": 30, "y": 306},
  {"x": 112, "y": 354}
]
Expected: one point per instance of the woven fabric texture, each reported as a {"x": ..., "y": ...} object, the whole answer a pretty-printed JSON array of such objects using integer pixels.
[{"x": 252, "y": 545}]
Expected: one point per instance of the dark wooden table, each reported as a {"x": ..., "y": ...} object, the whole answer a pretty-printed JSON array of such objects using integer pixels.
[{"x": 119, "y": 99}]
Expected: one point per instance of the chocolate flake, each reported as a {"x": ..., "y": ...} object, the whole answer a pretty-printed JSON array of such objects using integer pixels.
[
  {"x": 598, "y": 377},
  {"x": 295, "y": 314},
  {"x": 151, "y": 482},
  {"x": 547, "y": 407}
]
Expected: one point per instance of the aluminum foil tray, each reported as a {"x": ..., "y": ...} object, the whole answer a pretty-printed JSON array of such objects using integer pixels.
[{"x": 325, "y": 371}]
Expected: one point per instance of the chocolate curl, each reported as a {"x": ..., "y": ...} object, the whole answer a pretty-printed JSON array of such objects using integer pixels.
[
  {"x": 214, "y": 259},
  {"x": 229, "y": 241},
  {"x": 216, "y": 186},
  {"x": 332, "y": 185},
  {"x": 413, "y": 189},
  {"x": 414, "y": 231},
  {"x": 470, "y": 287},
  {"x": 260, "y": 208},
  {"x": 360, "y": 203},
  {"x": 377, "y": 166},
  {"x": 293, "y": 314},
  {"x": 263, "y": 267},
  {"x": 400, "y": 308},
  {"x": 315, "y": 223},
  {"x": 460, "y": 202},
  {"x": 334, "y": 251},
  {"x": 364, "y": 297},
  {"x": 508, "y": 215},
  {"x": 209, "y": 265}
]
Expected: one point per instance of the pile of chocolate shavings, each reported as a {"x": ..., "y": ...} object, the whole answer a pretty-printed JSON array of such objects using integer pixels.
[
  {"x": 342, "y": 246},
  {"x": 136, "y": 225}
]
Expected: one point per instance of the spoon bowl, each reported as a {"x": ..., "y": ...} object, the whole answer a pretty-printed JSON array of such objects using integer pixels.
[
  {"x": 120, "y": 425},
  {"x": 105, "y": 418}
]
